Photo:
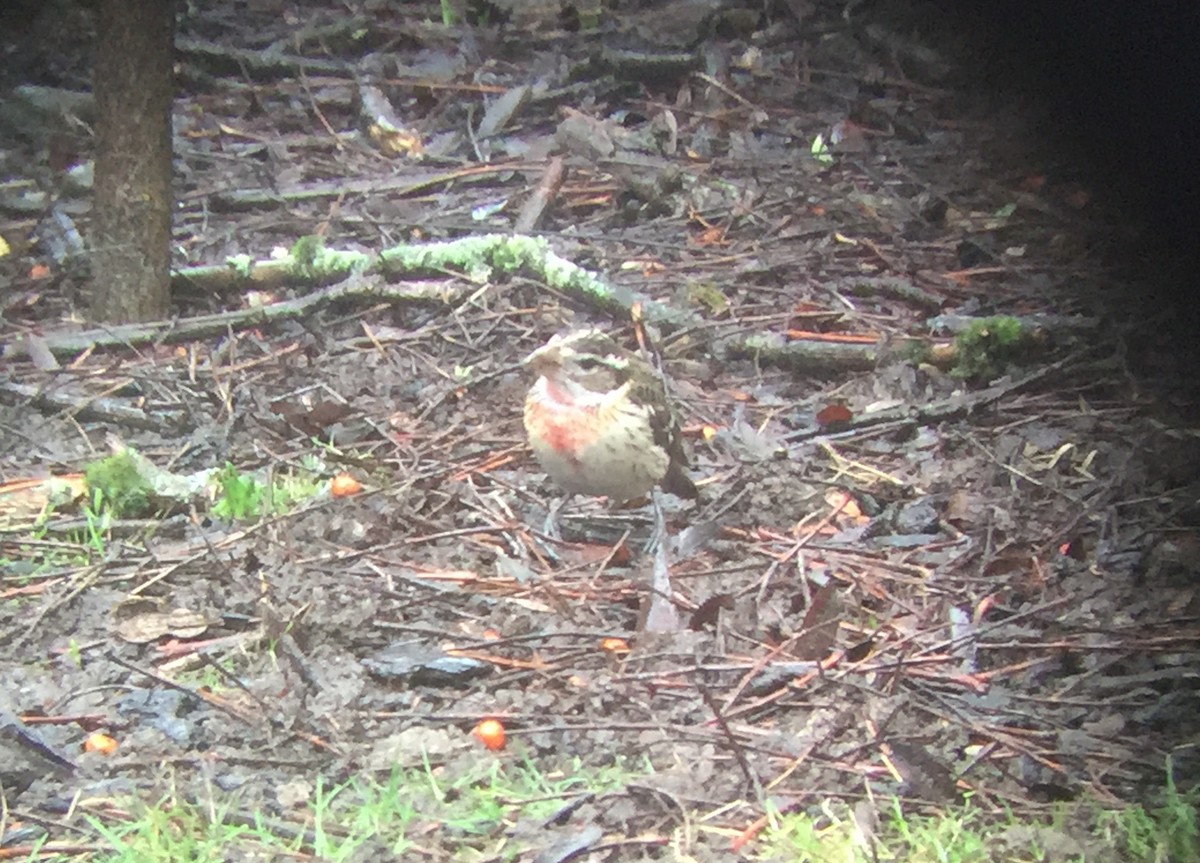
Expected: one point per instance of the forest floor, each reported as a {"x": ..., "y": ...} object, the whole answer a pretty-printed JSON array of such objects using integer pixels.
[{"x": 917, "y": 567}]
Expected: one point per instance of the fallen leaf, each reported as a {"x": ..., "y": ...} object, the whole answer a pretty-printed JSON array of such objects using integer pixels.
[{"x": 833, "y": 415}]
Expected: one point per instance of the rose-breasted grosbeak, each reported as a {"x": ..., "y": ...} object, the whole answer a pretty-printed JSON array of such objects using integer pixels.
[{"x": 599, "y": 420}]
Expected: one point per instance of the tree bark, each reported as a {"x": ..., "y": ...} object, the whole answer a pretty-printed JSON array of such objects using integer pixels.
[{"x": 131, "y": 228}]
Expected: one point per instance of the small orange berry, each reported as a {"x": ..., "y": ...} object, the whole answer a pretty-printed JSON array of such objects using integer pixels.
[
  {"x": 344, "y": 485},
  {"x": 99, "y": 742},
  {"x": 490, "y": 732},
  {"x": 614, "y": 645}
]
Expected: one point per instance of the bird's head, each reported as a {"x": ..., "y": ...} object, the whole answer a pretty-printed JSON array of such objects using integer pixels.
[{"x": 587, "y": 359}]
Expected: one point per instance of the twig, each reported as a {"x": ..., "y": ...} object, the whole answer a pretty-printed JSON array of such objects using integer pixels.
[
  {"x": 547, "y": 190},
  {"x": 954, "y": 407},
  {"x": 87, "y": 407},
  {"x": 739, "y": 753}
]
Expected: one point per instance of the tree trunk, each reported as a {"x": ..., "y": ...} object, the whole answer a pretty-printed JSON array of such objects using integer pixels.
[{"x": 131, "y": 226}]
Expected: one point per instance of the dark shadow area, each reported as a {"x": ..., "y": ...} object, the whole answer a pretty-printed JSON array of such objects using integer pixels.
[{"x": 1118, "y": 82}]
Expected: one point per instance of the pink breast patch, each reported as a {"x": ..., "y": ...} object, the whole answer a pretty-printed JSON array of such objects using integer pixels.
[{"x": 564, "y": 426}]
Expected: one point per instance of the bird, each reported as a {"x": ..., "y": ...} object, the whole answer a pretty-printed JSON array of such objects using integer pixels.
[{"x": 599, "y": 420}]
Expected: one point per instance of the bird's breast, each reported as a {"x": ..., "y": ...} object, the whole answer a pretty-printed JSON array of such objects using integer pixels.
[{"x": 600, "y": 443}]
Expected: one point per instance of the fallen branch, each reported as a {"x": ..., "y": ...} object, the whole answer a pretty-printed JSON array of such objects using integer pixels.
[
  {"x": 203, "y": 326},
  {"x": 86, "y": 407},
  {"x": 478, "y": 258}
]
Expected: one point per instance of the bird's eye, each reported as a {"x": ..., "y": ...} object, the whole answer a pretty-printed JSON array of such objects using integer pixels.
[{"x": 589, "y": 364}]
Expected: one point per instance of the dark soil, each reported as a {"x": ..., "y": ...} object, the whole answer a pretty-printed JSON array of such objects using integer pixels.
[{"x": 989, "y": 584}]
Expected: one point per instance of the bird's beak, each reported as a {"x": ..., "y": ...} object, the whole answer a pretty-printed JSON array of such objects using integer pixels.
[
  {"x": 541, "y": 360},
  {"x": 545, "y": 358}
]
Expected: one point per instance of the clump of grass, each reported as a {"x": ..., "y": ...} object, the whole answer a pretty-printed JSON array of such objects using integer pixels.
[
  {"x": 241, "y": 495},
  {"x": 123, "y": 491},
  {"x": 366, "y": 817},
  {"x": 1164, "y": 831}
]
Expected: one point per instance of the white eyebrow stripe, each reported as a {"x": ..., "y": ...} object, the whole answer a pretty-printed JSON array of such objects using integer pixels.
[{"x": 615, "y": 360}]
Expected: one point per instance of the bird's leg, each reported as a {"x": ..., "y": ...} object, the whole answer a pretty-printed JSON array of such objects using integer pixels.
[
  {"x": 551, "y": 527},
  {"x": 658, "y": 533}
]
